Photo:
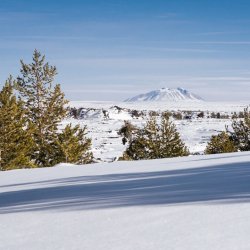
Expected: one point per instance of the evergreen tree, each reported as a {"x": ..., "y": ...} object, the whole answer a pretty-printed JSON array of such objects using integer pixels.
[
  {"x": 15, "y": 132},
  {"x": 156, "y": 141},
  {"x": 74, "y": 146},
  {"x": 45, "y": 107},
  {"x": 170, "y": 144},
  {"x": 241, "y": 132},
  {"x": 221, "y": 143}
]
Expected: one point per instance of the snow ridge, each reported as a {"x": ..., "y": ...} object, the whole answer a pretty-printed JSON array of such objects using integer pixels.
[{"x": 166, "y": 94}]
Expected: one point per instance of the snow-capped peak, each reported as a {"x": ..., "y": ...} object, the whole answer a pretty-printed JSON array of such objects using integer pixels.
[{"x": 166, "y": 94}]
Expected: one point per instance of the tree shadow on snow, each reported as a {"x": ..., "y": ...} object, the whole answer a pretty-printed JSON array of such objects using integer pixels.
[{"x": 227, "y": 183}]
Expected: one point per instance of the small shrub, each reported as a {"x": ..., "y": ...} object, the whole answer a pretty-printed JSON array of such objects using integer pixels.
[{"x": 221, "y": 143}]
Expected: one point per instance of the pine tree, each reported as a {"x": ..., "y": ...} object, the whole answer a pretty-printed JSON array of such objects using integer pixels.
[
  {"x": 221, "y": 143},
  {"x": 241, "y": 132},
  {"x": 74, "y": 146},
  {"x": 45, "y": 107},
  {"x": 156, "y": 141},
  {"x": 170, "y": 144},
  {"x": 15, "y": 132}
]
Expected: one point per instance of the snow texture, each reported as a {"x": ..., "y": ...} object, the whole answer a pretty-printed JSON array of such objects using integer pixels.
[{"x": 198, "y": 202}]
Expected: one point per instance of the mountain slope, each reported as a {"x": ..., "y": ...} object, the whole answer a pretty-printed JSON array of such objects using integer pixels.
[{"x": 166, "y": 94}]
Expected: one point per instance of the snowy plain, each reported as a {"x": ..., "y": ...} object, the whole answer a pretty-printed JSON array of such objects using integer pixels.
[
  {"x": 195, "y": 202},
  {"x": 164, "y": 105},
  {"x": 107, "y": 144}
]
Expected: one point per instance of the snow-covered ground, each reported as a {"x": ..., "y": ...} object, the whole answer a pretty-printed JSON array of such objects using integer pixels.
[
  {"x": 196, "y": 202},
  {"x": 158, "y": 105},
  {"x": 107, "y": 144}
]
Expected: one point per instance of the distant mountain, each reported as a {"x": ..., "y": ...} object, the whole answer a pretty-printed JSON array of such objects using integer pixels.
[{"x": 166, "y": 94}]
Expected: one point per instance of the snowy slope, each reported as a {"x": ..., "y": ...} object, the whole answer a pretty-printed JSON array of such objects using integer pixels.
[
  {"x": 166, "y": 94},
  {"x": 198, "y": 202}
]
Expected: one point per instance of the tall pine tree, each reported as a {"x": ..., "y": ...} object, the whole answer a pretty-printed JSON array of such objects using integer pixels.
[
  {"x": 45, "y": 106},
  {"x": 15, "y": 131}
]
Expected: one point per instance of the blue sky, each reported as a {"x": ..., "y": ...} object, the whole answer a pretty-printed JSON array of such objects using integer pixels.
[{"x": 114, "y": 49}]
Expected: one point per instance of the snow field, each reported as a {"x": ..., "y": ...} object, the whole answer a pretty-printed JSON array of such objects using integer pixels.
[
  {"x": 107, "y": 144},
  {"x": 196, "y": 202}
]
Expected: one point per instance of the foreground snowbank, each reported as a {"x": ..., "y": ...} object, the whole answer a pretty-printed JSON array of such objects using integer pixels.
[{"x": 200, "y": 202}]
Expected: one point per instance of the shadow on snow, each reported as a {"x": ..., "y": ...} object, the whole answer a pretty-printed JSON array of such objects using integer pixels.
[{"x": 221, "y": 184}]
